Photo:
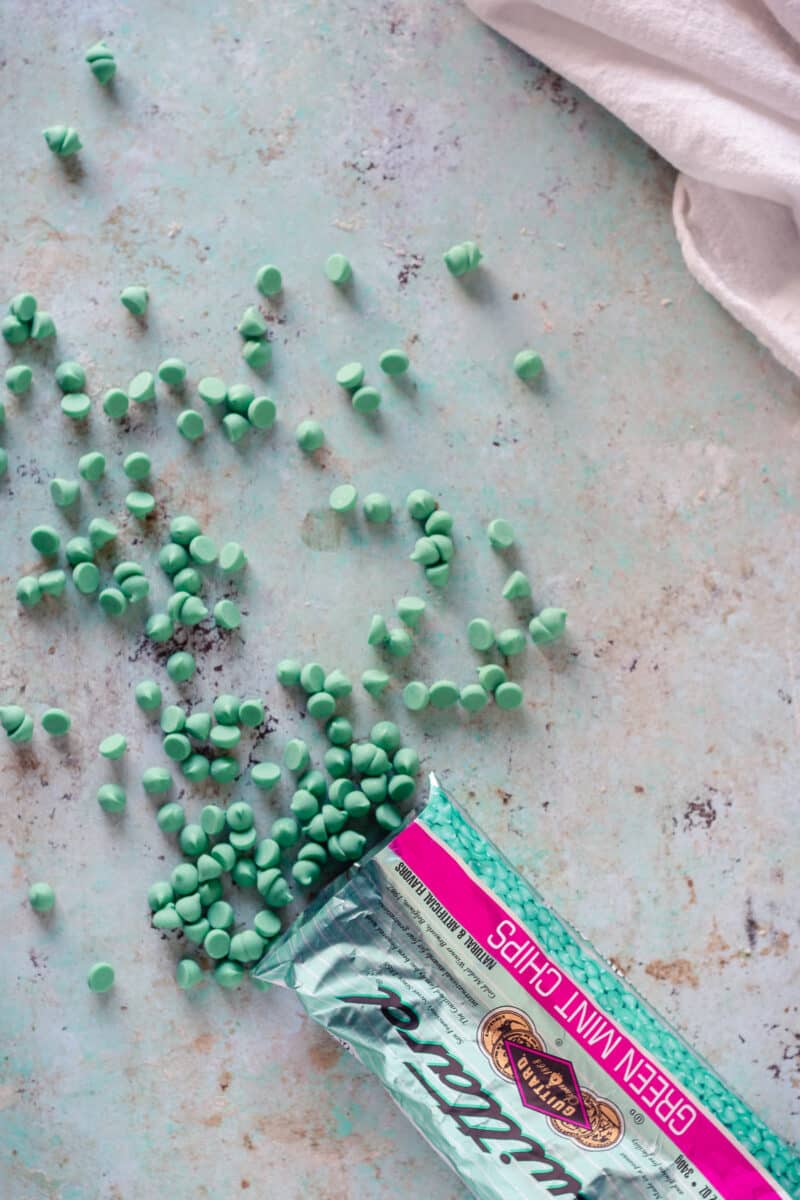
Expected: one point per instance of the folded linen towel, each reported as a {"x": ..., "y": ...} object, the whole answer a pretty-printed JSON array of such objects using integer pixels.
[{"x": 714, "y": 86}]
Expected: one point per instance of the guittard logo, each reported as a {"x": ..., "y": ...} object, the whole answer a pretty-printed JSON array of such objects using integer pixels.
[
  {"x": 461, "y": 1097},
  {"x": 546, "y": 1083}
]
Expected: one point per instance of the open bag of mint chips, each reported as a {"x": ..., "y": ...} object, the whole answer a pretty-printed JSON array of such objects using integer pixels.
[{"x": 524, "y": 1059}]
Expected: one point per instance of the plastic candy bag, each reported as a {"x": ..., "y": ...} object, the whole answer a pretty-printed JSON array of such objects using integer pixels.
[{"x": 531, "y": 1066}]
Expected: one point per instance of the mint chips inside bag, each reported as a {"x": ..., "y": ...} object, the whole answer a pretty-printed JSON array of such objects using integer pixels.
[{"x": 528, "y": 1063}]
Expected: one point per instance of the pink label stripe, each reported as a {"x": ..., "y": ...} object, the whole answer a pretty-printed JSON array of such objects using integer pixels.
[{"x": 695, "y": 1132}]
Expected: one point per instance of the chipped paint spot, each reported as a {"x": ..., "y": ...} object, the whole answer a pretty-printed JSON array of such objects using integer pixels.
[{"x": 322, "y": 530}]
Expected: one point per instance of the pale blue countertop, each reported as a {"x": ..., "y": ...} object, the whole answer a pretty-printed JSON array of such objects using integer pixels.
[{"x": 649, "y": 785}]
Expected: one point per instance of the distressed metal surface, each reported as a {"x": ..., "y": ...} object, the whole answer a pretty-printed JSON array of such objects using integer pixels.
[{"x": 649, "y": 784}]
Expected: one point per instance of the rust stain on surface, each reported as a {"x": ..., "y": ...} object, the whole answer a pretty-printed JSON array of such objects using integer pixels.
[
  {"x": 679, "y": 972},
  {"x": 280, "y": 140},
  {"x": 323, "y": 1053},
  {"x": 780, "y": 943}
]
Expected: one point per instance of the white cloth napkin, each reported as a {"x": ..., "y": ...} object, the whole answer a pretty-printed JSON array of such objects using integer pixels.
[{"x": 714, "y": 86}]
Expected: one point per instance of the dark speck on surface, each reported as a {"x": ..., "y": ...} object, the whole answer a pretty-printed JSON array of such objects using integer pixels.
[
  {"x": 553, "y": 87},
  {"x": 410, "y": 269},
  {"x": 701, "y": 812},
  {"x": 750, "y": 924}
]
